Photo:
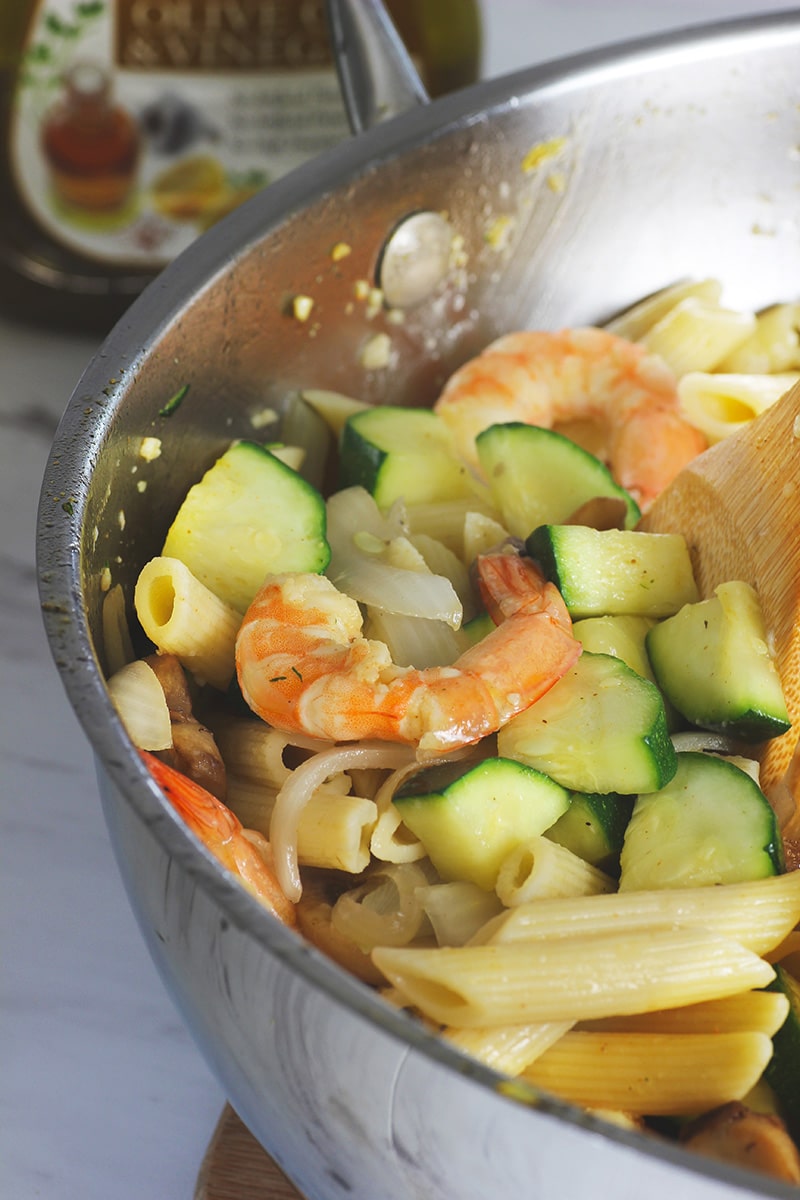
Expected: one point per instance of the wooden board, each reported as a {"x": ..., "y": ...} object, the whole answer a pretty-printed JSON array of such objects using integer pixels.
[{"x": 236, "y": 1167}]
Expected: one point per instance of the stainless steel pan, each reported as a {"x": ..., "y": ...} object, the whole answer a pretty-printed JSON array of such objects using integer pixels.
[{"x": 679, "y": 159}]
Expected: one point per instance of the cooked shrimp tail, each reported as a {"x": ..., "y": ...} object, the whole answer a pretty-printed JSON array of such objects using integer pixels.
[
  {"x": 305, "y": 666},
  {"x": 625, "y": 396},
  {"x": 223, "y": 834}
]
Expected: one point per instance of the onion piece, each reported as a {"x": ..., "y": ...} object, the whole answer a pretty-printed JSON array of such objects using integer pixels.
[
  {"x": 359, "y": 536},
  {"x": 139, "y": 699}
]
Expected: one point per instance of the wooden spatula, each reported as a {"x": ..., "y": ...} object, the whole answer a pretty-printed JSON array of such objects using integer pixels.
[{"x": 738, "y": 506}]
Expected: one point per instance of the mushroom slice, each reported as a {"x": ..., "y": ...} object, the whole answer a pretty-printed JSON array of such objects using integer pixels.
[{"x": 736, "y": 1134}]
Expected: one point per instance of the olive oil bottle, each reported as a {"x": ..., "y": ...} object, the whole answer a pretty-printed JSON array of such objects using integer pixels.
[{"x": 129, "y": 127}]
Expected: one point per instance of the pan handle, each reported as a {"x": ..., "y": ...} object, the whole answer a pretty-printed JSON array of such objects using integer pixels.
[{"x": 376, "y": 74}]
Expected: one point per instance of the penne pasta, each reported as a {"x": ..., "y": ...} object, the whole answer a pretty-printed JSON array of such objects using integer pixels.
[
  {"x": 541, "y": 869},
  {"x": 181, "y": 616},
  {"x": 696, "y": 336},
  {"x": 757, "y": 914},
  {"x": 573, "y": 978},
  {"x": 511, "y": 1049},
  {"x": 652, "y": 1074},
  {"x": 722, "y": 404},
  {"x": 635, "y": 322},
  {"x": 772, "y": 347},
  {"x": 759, "y": 1012},
  {"x": 787, "y": 953}
]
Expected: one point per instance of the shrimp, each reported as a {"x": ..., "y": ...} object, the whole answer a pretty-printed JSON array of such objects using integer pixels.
[
  {"x": 222, "y": 832},
  {"x": 579, "y": 377},
  {"x": 304, "y": 665}
]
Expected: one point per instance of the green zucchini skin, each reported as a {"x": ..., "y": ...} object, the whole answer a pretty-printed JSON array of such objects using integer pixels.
[
  {"x": 593, "y": 827},
  {"x": 711, "y": 824},
  {"x": 601, "y": 728},
  {"x": 615, "y": 571},
  {"x": 536, "y": 476},
  {"x": 250, "y": 515},
  {"x": 400, "y": 454},
  {"x": 712, "y": 662},
  {"x": 470, "y": 820},
  {"x": 783, "y": 1069}
]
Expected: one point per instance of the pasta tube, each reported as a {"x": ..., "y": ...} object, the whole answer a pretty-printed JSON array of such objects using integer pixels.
[
  {"x": 508, "y": 1050},
  {"x": 634, "y": 322},
  {"x": 773, "y": 346},
  {"x": 181, "y": 616},
  {"x": 334, "y": 830},
  {"x": 652, "y": 1074},
  {"x": 720, "y": 405},
  {"x": 540, "y": 868},
  {"x": 758, "y": 914},
  {"x": 571, "y": 979},
  {"x": 696, "y": 336},
  {"x": 392, "y": 841},
  {"x": 759, "y": 1012},
  {"x": 255, "y": 751}
]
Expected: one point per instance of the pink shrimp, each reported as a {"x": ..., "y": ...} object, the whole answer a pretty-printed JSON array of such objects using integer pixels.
[
  {"x": 222, "y": 832},
  {"x": 577, "y": 378},
  {"x": 304, "y": 665}
]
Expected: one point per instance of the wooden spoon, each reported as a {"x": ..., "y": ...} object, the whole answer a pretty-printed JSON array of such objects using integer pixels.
[{"x": 738, "y": 506}]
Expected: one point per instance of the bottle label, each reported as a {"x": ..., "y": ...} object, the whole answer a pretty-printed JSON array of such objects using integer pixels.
[{"x": 137, "y": 124}]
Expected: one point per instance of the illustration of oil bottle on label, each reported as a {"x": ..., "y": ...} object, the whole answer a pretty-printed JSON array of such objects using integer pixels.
[{"x": 132, "y": 126}]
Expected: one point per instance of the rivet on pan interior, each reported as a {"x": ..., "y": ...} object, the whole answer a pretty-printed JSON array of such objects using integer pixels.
[{"x": 415, "y": 258}]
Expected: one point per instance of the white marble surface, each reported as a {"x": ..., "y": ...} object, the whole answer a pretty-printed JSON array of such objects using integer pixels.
[{"x": 102, "y": 1094}]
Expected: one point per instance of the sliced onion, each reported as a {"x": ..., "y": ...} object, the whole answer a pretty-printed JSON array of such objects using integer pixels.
[
  {"x": 414, "y": 641},
  {"x": 385, "y": 910},
  {"x": 358, "y": 569},
  {"x": 458, "y": 910},
  {"x": 139, "y": 699}
]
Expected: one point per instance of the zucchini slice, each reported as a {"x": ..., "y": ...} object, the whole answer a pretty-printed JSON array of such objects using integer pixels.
[
  {"x": 713, "y": 664},
  {"x": 611, "y": 571},
  {"x": 601, "y": 728},
  {"x": 401, "y": 453},
  {"x": 593, "y": 827},
  {"x": 711, "y": 824},
  {"x": 623, "y": 636},
  {"x": 249, "y": 516},
  {"x": 538, "y": 476},
  {"x": 470, "y": 822}
]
